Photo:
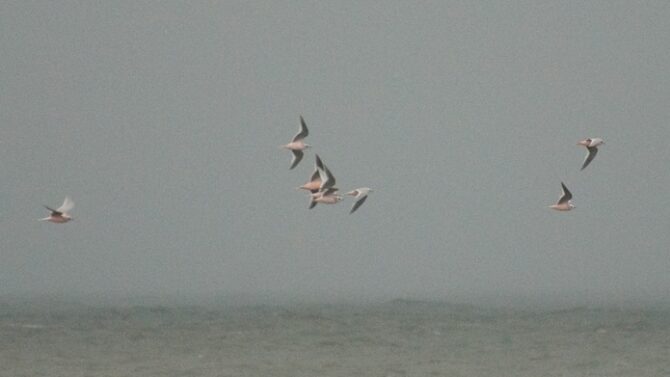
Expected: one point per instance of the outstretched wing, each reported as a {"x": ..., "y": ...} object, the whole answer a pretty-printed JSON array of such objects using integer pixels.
[
  {"x": 358, "y": 203},
  {"x": 297, "y": 156},
  {"x": 327, "y": 178},
  {"x": 303, "y": 130},
  {"x": 567, "y": 195},
  {"x": 317, "y": 166},
  {"x": 589, "y": 157},
  {"x": 319, "y": 163},
  {"x": 53, "y": 211},
  {"x": 68, "y": 204}
]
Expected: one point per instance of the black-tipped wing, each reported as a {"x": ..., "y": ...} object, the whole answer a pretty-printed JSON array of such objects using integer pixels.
[
  {"x": 317, "y": 166},
  {"x": 297, "y": 156},
  {"x": 327, "y": 178},
  {"x": 312, "y": 204},
  {"x": 589, "y": 157},
  {"x": 315, "y": 176},
  {"x": 358, "y": 203},
  {"x": 567, "y": 195},
  {"x": 53, "y": 211},
  {"x": 303, "y": 130},
  {"x": 330, "y": 191},
  {"x": 319, "y": 163}
]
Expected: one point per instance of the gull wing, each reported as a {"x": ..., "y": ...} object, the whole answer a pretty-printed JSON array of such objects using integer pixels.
[
  {"x": 68, "y": 204},
  {"x": 53, "y": 212},
  {"x": 319, "y": 163},
  {"x": 329, "y": 191},
  {"x": 297, "y": 156},
  {"x": 303, "y": 130},
  {"x": 358, "y": 203},
  {"x": 589, "y": 157},
  {"x": 327, "y": 178},
  {"x": 315, "y": 176},
  {"x": 567, "y": 195}
]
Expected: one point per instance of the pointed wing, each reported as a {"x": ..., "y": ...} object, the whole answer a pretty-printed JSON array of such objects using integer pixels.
[
  {"x": 297, "y": 156},
  {"x": 68, "y": 204},
  {"x": 327, "y": 178},
  {"x": 567, "y": 195},
  {"x": 315, "y": 176},
  {"x": 358, "y": 203},
  {"x": 312, "y": 204},
  {"x": 53, "y": 212},
  {"x": 330, "y": 191},
  {"x": 589, "y": 157},
  {"x": 319, "y": 163},
  {"x": 317, "y": 166},
  {"x": 303, "y": 130}
]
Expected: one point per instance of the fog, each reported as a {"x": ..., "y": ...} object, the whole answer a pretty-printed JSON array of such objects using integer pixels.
[{"x": 163, "y": 121}]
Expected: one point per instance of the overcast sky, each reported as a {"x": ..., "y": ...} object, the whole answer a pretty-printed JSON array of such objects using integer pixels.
[{"x": 163, "y": 120}]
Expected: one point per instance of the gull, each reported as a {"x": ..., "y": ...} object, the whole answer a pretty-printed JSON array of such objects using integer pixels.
[
  {"x": 327, "y": 179},
  {"x": 327, "y": 193},
  {"x": 360, "y": 194},
  {"x": 315, "y": 181},
  {"x": 592, "y": 145},
  {"x": 297, "y": 145},
  {"x": 60, "y": 215},
  {"x": 564, "y": 203},
  {"x": 329, "y": 196}
]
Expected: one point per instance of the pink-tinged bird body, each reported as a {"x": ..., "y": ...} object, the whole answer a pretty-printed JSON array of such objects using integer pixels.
[
  {"x": 327, "y": 197},
  {"x": 60, "y": 215},
  {"x": 326, "y": 193},
  {"x": 312, "y": 186},
  {"x": 315, "y": 181},
  {"x": 58, "y": 219},
  {"x": 298, "y": 145},
  {"x": 564, "y": 202}
]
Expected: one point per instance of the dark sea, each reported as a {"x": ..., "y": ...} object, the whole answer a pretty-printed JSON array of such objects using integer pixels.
[{"x": 389, "y": 339}]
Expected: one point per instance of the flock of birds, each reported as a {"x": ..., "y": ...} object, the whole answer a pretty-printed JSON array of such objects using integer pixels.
[
  {"x": 565, "y": 201},
  {"x": 321, "y": 185}
]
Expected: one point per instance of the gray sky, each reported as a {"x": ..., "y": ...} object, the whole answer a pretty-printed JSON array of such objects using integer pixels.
[{"x": 162, "y": 120}]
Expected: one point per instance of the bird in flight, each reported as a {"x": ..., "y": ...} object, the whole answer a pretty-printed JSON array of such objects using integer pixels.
[
  {"x": 315, "y": 181},
  {"x": 360, "y": 194},
  {"x": 60, "y": 215},
  {"x": 327, "y": 193},
  {"x": 564, "y": 203},
  {"x": 592, "y": 145},
  {"x": 298, "y": 145}
]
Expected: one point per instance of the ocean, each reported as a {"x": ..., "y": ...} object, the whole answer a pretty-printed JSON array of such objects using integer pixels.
[{"x": 388, "y": 339}]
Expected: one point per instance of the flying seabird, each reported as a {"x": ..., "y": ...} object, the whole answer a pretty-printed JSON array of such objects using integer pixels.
[
  {"x": 315, "y": 181},
  {"x": 564, "y": 202},
  {"x": 360, "y": 194},
  {"x": 60, "y": 215},
  {"x": 592, "y": 145},
  {"x": 297, "y": 145},
  {"x": 327, "y": 193}
]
